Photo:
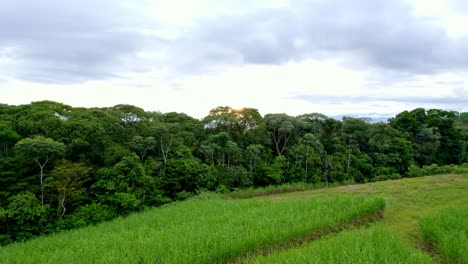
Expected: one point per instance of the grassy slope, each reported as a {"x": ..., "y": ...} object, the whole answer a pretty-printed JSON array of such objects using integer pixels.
[
  {"x": 196, "y": 231},
  {"x": 177, "y": 232},
  {"x": 407, "y": 200},
  {"x": 368, "y": 245}
]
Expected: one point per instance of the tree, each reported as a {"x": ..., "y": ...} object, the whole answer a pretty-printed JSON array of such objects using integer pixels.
[
  {"x": 237, "y": 122},
  {"x": 165, "y": 136},
  {"x": 68, "y": 181},
  {"x": 23, "y": 218},
  {"x": 41, "y": 118},
  {"x": 463, "y": 118},
  {"x": 191, "y": 129},
  {"x": 407, "y": 122},
  {"x": 8, "y": 138},
  {"x": 451, "y": 139},
  {"x": 252, "y": 155},
  {"x": 331, "y": 136},
  {"x": 95, "y": 135},
  {"x": 182, "y": 172},
  {"x": 312, "y": 142},
  {"x": 356, "y": 132},
  {"x": 124, "y": 185},
  {"x": 41, "y": 150},
  {"x": 312, "y": 122},
  {"x": 221, "y": 149},
  {"x": 389, "y": 149},
  {"x": 221, "y": 118},
  {"x": 275, "y": 173},
  {"x": 143, "y": 146},
  {"x": 282, "y": 127}
]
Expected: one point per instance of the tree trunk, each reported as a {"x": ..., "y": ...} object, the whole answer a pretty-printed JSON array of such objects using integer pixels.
[
  {"x": 42, "y": 187},
  {"x": 307, "y": 159},
  {"x": 165, "y": 153},
  {"x": 62, "y": 203},
  {"x": 349, "y": 160},
  {"x": 42, "y": 176}
]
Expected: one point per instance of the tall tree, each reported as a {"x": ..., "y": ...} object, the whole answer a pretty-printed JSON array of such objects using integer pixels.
[
  {"x": 451, "y": 138},
  {"x": 282, "y": 128},
  {"x": 41, "y": 118},
  {"x": 390, "y": 150},
  {"x": 312, "y": 122},
  {"x": 68, "y": 181},
  {"x": 8, "y": 138},
  {"x": 252, "y": 155},
  {"x": 236, "y": 122},
  {"x": 41, "y": 150}
]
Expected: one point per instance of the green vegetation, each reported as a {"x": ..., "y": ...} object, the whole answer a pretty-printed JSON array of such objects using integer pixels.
[
  {"x": 209, "y": 229},
  {"x": 446, "y": 233},
  {"x": 433, "y": 169},
  {"x": 275, "y": 189},
  {"x": 64, "y": 167},
  {"x": 372, "y": 245},
  {"x": 196, "y": 231},
  {"x": 407, "y": 200}
]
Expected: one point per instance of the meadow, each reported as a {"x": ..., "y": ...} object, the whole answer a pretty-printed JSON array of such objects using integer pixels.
[
  {"x": 369, "y": 245},
  {"x": 424, "y": 217},
  {"x": 326, "y": 225},
  {"x": 197, "y": 231},
  {"x": 407, "y": 200}
]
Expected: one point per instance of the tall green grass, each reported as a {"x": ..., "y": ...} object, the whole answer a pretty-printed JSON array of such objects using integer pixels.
[
  {"x": 446, "y": 233},
  {"x": 283, "y": 188},
  {"x": 195, "y": 231},
  {"x": 415, "y": 171},
  {"x": 407, "y": 200},
  {"x": 374, "y": 245}
]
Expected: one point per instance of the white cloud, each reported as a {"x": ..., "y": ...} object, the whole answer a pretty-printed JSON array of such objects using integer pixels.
[{"x": 448, "y": 13}]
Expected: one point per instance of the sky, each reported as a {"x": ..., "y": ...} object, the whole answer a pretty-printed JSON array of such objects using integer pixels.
[{"x": 336, "y": 57}]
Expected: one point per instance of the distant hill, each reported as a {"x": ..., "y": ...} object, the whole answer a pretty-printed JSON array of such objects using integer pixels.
[{"x": 372, "y": 117}]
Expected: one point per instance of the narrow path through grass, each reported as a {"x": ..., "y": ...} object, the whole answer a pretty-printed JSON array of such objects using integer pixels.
[{"x": 370, "y": 245}]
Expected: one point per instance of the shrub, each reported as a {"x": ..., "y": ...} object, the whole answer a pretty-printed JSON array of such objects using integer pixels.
[{"x": 87, "y": 215}]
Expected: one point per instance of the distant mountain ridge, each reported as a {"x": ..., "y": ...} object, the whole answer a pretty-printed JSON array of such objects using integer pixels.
[{"x": 373, "y": 117}]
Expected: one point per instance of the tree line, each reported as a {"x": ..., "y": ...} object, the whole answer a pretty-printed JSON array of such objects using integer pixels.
[{"x": 63, "y": 167}]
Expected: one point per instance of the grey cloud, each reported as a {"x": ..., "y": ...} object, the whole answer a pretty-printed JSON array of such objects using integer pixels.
[
  {"x": 69, "y": 41},
  {"x": 72, "y": 41},
  {"x": 382, "y": 33}
]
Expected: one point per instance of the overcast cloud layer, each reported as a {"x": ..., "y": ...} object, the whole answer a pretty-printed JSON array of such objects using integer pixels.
[
  {"x": 72, "y": 43},
  {"x": 381, "y": 33}
]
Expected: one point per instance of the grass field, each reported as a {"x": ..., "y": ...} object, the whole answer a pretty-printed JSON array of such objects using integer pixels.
[
  {"x": 271, "y": 190},
  {"x": 445, "y": 232},
  {"x": 370, "y": 245},
  {"x": 196, "y": 231},
  {"x": 407, "y": 200},
  {"x": 229, "y": 230}
]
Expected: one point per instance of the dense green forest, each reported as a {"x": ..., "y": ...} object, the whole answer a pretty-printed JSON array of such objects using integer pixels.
[{"x": 63, "y": 167}]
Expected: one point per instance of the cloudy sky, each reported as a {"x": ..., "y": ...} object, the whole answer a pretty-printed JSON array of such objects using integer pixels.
[{"x": 293, "y": 56}]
